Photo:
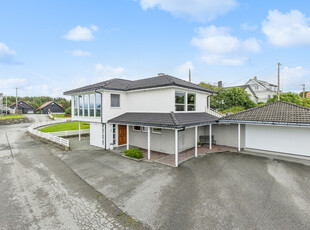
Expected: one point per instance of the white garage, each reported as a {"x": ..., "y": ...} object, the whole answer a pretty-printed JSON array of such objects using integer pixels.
[
  {"x": 283, "y": 139},
  {"x": 279, "y": 127}
]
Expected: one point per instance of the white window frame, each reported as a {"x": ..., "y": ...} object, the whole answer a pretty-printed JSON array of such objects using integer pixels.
[
  {"x": 195, "y": 105},
  {"x": 185, "y": 101},
  {"x": 156, "y": 132},
  {"x": 133, "y": 128},
  {"x": 115, "y": 107},
  {"x": 144, "y": 129},
  {"x": 114, "y": 134}
]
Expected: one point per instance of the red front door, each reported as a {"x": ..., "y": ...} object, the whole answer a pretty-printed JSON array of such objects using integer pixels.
[{"x": 122, "y": 134}]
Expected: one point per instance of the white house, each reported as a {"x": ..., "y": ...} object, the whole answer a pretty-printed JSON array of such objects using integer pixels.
[
  {"x": 262, "y": 89},
  {"x": 152, "y": 113}
]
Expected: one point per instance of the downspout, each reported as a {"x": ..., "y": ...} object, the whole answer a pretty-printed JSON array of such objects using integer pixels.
[{"x": 105, "y": 126}]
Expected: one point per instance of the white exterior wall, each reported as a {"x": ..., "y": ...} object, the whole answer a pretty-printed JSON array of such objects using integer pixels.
[
  {"x": 151, "y": 100},
  {"x": 109, "y": 112},
  {"x": 283, "y": 139},
  {"x": 227, "y": 135},
  {"x": 96, "y": 134}
]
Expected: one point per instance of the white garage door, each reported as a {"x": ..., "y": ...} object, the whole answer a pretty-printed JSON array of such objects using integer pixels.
[{"x": 283, "y": 139}]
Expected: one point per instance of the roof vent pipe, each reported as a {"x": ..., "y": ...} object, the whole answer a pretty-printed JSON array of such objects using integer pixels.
[
  {"x": 255, "y": 78},
  {"x": 189, "y": 76}
]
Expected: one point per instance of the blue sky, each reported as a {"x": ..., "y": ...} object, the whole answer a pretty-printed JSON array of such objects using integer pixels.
[{"x": 47, "y": 47}]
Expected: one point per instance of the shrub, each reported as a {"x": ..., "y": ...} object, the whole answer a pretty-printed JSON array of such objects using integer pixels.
[
  {"x": 134, "y": 153},
  {"x": 235, "y": 109},
  {"x": 68, "y": 110}
]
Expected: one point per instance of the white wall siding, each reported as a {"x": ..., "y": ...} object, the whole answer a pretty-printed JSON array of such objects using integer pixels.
[
  {"x": 109, "y": 112},
  {"x": 284, "y": 139},
  {"x": 96, "y": 134},
  {"x": 151, "y": 100},
  {"x": 227, "y": 135}
]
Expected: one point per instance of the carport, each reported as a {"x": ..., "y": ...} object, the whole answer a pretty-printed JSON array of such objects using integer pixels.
[{"x": 278, "y": 127}]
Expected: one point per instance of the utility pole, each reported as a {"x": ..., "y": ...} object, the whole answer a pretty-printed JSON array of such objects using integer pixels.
[
  {"x": 303, "y": 90},
  {"x": 189, "y": 76},
  {"x": 279, "y": 81},
  {"x": 16, "y": 106}
]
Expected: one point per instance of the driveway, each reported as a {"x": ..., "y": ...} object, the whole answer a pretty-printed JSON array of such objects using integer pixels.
[
  {"x": 39, "y": 191},
  {"x": 217, "y": 191}
]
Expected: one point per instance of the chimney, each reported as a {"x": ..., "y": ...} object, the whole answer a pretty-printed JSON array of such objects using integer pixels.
[
  {"x": 220, "y": 84},
  {"x": 189, "y": 76},
  {"x": 161, "y": 74},
  {"x": 255, "y": 78}
]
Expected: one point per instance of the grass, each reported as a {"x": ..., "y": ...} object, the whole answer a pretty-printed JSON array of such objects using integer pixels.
[
  {"x": 11, "y": 117},
  {"x": 64, "y": 127},
  {"x": 59, "y": 115}
]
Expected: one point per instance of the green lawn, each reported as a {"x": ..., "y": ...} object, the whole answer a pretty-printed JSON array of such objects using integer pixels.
[
  {"x": 65, "y": 126},
  {"x": 11, "y": 116},
  {"x": 59, "y": 115}
]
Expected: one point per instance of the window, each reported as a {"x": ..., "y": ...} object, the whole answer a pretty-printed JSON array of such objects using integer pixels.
[
  {"x": 144, "y": 129},
  {"x": 115, "y": 100},
  {"x": 179, "y": 101},
  {"x": 80, "y": 105},
  {"x": 98, "y": 104},
  {"x": 86, "y": 102},
  {"x": 137, "y": 128},
  {"x": 91, "y": 104},
  {"x": 75, "y": 105},
  {"x": 191, "y": 102},
  {"x": 156, "y": 130},
  {"x": 114, "y": 134}
]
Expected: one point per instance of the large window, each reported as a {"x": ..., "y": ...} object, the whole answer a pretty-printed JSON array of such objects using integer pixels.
[
  {"x": 80, "y": 105},
  {"x": 75, "y": 105},
  {"x": 98, "y": 104},
  {"x": 86, "y": 105},
  {"x": 115, "y": 100},
  {"x": 179, "y": 101},
  {"x": 156, "y": 130},
  {"x": 136, "y": 128},
  {"x": 91, "y": 104},
  {"x": 191, "y": 102}
]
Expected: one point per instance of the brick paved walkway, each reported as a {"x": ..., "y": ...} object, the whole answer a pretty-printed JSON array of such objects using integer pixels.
[{"x": 169, "y": 159}]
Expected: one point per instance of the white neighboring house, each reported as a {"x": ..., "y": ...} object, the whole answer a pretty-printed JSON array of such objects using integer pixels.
[
  {"x": 262, "y": 89},
  {"x": 151, "y": 113}
]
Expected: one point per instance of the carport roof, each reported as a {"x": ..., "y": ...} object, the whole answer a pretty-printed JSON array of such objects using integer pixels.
[
  {"x": 280, "y": 112},
  {"x": 168, "y": 120}
]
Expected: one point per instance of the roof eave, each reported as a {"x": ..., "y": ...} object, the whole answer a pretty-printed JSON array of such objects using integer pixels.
[{"x": 264, "y": 122}]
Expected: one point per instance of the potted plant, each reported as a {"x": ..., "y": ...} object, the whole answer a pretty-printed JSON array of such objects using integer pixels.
[{"x": 199, "y": 144}]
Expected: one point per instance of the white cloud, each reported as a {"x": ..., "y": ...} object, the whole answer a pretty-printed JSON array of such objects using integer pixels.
[
  {"x": 248, "y": 27},
  {"x": 195, "y": 9},
  {"x": 80, "y": 53},
  {"x": 183, "y": 70},
  {"x": 107, "y": 71},
  {"x": 80, "y": 33},
  {"x": 287, "y": 30},
  {"x": 11, "y": 83},
  {"x": 7, "y": 56},
  {"x": 291, "y": 78},
  {"x": 218, "y": 46}
]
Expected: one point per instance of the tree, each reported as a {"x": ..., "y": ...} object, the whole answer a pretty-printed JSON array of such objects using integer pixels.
[
  {"x": 288, "y": 97},
  {"x": 209, "y": 86},
  {"x": 232, "y": 97}
]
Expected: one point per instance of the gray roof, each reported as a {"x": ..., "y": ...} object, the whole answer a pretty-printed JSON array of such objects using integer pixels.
[
  {"x": 279, "y": 112},
  {"x": 168, "y": 120},
  {"x": 127, "y": 85}
]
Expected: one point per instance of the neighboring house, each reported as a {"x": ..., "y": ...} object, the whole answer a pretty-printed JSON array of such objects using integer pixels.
[
  {"x": 25, "y": 107},
  {"x": 51, "y": 107},
  {"x": 152, "y": 113},
  {"x": 278, "y": 127},
  {"x": 249, "y": 90},
  {"x": 262, "y": 89}
]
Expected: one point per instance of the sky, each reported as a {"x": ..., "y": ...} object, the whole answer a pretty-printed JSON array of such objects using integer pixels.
[{"x": 48, "y": 47}]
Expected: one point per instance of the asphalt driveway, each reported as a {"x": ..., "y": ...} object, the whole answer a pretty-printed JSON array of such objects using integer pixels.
[{"x": 217, "y": 191}]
